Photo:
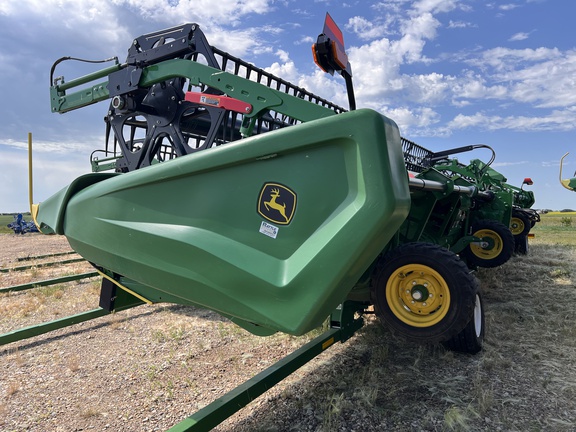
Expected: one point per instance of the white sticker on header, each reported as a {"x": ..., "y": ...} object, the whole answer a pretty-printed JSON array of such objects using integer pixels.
[{"x": 269, "y": 230}]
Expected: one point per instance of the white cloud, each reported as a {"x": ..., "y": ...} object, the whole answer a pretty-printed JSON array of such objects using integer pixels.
[
  {"x": 379, "y": 73},
  {"x": 102, "y": 25},
  {"x": 538, "y": 77},
  {"x": 519, "y": 37},
  {"x": 302, "y": 12},
  {"x": 285, "y": 70},
  {"x": 550, "y": 83},
  {"x": 89, "y": 20},
  {"x": 283, "y": 55},
  {"x": 505, "y": 164},
  {"x": 473, "y": 86},
  {"x": 556, "y": 120},
  {"x": 207, "y": 12},
  {"x": 236, "y": 42},
  {"x": 430, "y": 88},
  {"x": 305, "y": 40},
  {"x": 391, "y": 6},
  {"x": 421, "y": 27},
  {"x": 409, "y": 118},
  {"x": 366, "y": 29},
  {"x": 61, "y": 147},
  {"x": 331, "y": 88},
  {"x": 433, "y": 6},
  {"x": 460, "y": 24},
  {"x": 509, "y": 6},
  {"x": 544, "y": 77}
]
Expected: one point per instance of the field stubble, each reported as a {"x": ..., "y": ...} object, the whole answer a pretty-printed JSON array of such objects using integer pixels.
[{"x": 149, "y": 367}]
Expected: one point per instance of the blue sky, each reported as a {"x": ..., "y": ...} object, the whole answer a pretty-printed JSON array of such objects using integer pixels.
[{"x": 449, "y": 72}]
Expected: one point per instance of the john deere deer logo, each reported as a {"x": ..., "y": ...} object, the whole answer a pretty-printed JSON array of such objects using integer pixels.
[{"x": 277, "y": 203}]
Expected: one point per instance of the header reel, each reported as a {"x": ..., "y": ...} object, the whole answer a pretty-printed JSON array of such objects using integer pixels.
[
  {"x": 176, "y": 95},
  {"x": 151, "y": 123}
]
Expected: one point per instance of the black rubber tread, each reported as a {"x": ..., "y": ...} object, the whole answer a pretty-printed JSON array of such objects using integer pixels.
[
  {"x": 468, "y": 340},
  {"x": 525, "y": 220},
  {"x": 462, "y": 285},
  {"x": 507, "y": 245}
]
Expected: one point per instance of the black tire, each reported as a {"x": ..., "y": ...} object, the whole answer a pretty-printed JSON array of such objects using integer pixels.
[
  {"x": 521, "y": 245},
  {"x": 424, "y": 293},
  {"x": 496, "y": 255},
  {"x": 520, "y": 224},
  {"x": 471, "y": 339}
]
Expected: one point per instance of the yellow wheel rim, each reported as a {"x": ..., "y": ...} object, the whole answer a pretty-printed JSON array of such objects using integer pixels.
[
  {"x": 487, "y": 253},
  {"x": 517, "y": 226},
  {"x": 417, "y": 295}
]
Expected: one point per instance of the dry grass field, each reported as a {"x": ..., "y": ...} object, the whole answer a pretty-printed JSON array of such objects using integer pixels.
[{"x": 148, "y": 368}]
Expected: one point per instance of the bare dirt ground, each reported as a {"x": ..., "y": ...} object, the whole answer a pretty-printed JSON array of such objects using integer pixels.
[{"x": 148, "y": 368}]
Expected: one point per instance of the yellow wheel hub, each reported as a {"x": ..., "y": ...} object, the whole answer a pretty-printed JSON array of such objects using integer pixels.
[
  {"x": 489, "y": 252},
  {"x": 517, "y": 226},
  {"x": 418, "y": 295}
]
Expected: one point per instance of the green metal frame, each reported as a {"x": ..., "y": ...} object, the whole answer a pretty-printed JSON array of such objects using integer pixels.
[
  {"x": 508, "y": 201},
  {"x": 48, "y": 282},
  {"x": 522, "y": 198},
  {"x": 438, "y": 216},
  {"x": 487, "y": 179},
  {"x": 448, "y": 198},
  {"x": 36, "y": 330},
  {"x": 61, "y": 102},
  {"x": 262, "y": 98}
]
